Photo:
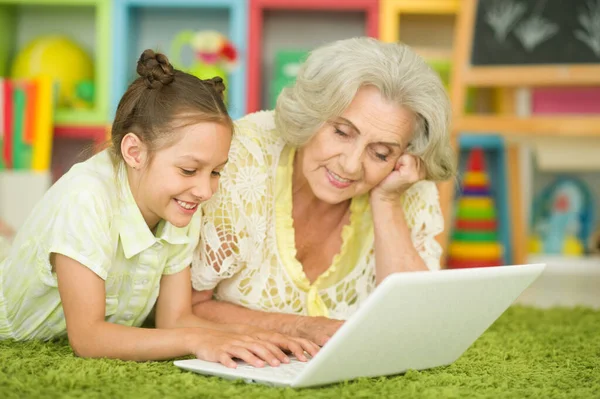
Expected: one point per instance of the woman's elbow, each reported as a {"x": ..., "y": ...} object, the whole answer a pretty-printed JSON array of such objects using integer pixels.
[
  {"x": 199, "y": 297},
  {"x": 199, "y": 301}
]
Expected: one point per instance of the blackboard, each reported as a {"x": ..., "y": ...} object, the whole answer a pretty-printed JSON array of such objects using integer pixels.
[{"x": 536, "y": 32}]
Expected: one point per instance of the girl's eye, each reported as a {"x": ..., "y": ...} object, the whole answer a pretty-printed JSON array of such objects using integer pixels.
[
  {"x": 216, "y": 173},
  {"x": 188, "y": 172},
  {"x": 381, "y": 156}
]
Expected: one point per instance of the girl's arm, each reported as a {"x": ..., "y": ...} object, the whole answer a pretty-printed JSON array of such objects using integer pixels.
[
  {"x": 83, "y": 299},
  {"x": 316, "y": 329},
  {"x": 174, "y": 310}
]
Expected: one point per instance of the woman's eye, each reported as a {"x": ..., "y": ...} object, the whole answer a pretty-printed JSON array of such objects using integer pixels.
[
  {"x": 340, "y": 133},
  {"x": 188, "y": 172},
  {"x": 381, "y": 156},
  {"x": 216, "y": 173}
]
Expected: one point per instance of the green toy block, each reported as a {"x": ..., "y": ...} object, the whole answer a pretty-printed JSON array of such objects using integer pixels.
[{"x": 287, "y": 63}]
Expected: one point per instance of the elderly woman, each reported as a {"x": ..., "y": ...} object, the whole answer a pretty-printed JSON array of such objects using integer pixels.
[{"x": 329, "y": 194}]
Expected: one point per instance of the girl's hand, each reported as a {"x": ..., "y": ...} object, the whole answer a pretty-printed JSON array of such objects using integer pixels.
[
  {"x": 407, "y": 171},
  {"x": 223, "y": 347},
  {"x": 295, "y": 345}
]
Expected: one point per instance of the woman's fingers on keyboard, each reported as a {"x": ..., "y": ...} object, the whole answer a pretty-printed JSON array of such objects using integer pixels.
[
  {"x": 307, "y": 346},
  {"x": 247, "y": 355}
]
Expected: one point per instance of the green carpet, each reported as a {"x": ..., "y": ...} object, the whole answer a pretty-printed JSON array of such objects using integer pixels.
[{"x": 526, "y": 353}]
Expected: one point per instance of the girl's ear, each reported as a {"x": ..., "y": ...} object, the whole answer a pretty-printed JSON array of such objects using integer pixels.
[{"x": 134, "y": 151}]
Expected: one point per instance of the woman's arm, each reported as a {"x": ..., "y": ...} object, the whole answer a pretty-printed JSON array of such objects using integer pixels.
[
  {"x": 83, "y": 299},
  {"x": 316, "y": 329},
  {"x": 394, "y": 249}
]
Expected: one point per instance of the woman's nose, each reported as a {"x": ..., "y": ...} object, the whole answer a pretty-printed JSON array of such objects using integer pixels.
[{"x": 351, "y": 163}]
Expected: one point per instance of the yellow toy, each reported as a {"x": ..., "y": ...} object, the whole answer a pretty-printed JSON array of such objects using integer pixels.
[{"x": 65, "y": 62}]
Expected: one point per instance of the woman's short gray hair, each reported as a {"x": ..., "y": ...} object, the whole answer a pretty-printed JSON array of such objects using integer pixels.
[{"x": 332, "y": 74}]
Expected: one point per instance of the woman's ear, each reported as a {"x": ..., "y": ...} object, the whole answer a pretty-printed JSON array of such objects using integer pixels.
[{"x": 134, "y": 151}]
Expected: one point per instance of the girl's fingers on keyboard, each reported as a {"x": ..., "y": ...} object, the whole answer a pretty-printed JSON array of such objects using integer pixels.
[
  {"x": 278, "y": 356},
  {"x": 227, "y": 361},
  {"x": 265, "y": 351}
]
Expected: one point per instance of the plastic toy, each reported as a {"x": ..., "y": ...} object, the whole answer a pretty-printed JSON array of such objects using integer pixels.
[
  {"x": 475, "y": 240},
  {"x": 214, "y": 55},
  {"x": 64, "y": 61},
  {"x": 562, "y": 218}
]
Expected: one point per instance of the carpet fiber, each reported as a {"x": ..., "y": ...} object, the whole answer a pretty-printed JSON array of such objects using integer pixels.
[{"x": 526, "y": 353}]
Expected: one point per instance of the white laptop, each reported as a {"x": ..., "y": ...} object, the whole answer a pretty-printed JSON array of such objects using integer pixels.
[{"x": 416, "y": 320}]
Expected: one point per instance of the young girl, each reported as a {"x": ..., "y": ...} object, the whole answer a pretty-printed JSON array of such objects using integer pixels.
[{"x": 115, "y": 235}]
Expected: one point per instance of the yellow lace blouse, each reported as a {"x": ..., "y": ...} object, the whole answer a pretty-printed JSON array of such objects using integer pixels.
[{"x": 247, "y": 251}]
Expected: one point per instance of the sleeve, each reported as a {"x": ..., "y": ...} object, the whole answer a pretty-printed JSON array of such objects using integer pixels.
[
  {"x": 181, "y": 255},
  {"x": 80, "y": 229},
  {"x": 227, "y": 238},
  {"x": 424, "y": 217},
  {"x": 216, "y": 257}
]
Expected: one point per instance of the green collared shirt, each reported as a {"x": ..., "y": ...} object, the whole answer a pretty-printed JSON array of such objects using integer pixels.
[{"x": 89, "y": 215}]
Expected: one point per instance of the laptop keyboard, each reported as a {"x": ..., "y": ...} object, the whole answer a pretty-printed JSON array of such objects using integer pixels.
[{"x": 285, "y": 371}]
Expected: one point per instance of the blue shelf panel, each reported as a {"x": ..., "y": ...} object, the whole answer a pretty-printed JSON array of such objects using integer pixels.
[
  {"x": 495, "y": 160},
  {"x": 141, "y": 24}
]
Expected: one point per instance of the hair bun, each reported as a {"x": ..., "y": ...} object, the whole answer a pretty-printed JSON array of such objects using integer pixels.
[
  {"x": 155, "y": 68},
  {"x": 217, "y": 84}
]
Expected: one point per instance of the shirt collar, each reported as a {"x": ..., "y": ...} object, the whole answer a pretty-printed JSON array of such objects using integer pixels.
[{"x": 135, "y": 234}]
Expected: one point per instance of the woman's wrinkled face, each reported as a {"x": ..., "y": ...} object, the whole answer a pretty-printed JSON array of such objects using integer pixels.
[{"x": 353, "y": 153}]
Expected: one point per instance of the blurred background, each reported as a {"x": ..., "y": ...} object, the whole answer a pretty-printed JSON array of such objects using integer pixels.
[{"x": 523, "y": 77}]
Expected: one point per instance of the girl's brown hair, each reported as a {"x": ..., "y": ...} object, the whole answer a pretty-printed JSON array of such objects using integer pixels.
[{"x": 162, "y": 99}]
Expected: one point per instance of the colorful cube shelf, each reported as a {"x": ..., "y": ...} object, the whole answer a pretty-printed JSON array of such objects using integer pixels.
[
  {"x": 140, "y": 24},
  {"x": 24, "y": 20},
  {"x": 259, "y": 10}
]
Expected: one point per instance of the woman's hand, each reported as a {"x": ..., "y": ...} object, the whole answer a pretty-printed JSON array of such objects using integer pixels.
[
  {"x": 223, "y": 347},
  {"x": 295, "y": 345},
  {"x": 408, "y": 170},
  {"x": 316, "y": 329}
]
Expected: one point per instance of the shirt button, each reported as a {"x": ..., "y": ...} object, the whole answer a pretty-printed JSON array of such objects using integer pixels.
[
  {"x": 144, "y": 281},
  {"x": 128, "y": 316}
]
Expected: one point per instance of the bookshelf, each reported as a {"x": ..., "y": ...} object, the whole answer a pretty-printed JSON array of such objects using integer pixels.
[
  {"x": 141, "y": 24},
  {"x": 275, "y": 24}
]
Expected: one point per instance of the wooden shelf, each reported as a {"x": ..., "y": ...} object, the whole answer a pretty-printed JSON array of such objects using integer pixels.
[
  {"x": 567, "y": 125},
  {"x": 569, "y": 75}
]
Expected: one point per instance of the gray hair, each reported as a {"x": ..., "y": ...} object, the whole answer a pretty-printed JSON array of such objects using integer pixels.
[{"x": 332, "y": 74}]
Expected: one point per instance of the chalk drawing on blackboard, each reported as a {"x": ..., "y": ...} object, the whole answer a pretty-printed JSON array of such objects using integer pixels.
[
  {"x": 535, "y": 29},
  {"x": 590, "y": 22},
  {"x": 502, "y": 16}
]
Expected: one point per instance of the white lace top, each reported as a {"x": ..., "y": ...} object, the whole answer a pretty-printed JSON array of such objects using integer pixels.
[{"x": 247, "y": 252}]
